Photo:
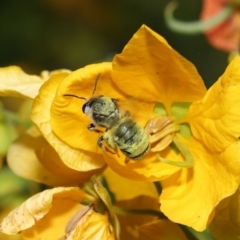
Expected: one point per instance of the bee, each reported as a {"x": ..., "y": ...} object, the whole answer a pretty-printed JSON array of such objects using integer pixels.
[{"x": 121, "y": 130}]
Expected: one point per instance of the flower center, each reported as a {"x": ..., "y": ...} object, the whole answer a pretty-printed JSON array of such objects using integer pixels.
[{"x": 163, "y": 131}]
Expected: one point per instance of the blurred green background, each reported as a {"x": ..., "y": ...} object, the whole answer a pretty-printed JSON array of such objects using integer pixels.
[{"x": 52, "y": 34}]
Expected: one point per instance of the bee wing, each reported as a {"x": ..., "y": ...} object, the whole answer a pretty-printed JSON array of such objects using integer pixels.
[{"x": 136, "y": 108}]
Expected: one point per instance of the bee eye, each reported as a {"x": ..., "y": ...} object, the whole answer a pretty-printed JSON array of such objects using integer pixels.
[{"x": 86, "y": 107}]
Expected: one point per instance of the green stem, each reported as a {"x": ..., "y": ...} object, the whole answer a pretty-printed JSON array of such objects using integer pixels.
[
  {"x": 86, "y": 201},
  {"x": 187, "y": 232},
  {"x": 152, "y": 212},
  {"x": 189, "y": 160},
  {"x": 195, "y": 26},
  {"x": 88, "y": 189}
]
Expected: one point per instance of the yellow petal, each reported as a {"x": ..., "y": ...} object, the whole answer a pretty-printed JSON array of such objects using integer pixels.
[
  {"x": 33, "y": 158},
  {"x": 45, "y": 74},
  {"x": 226, "y": 222},
  {"x": 190, "y": 196},
  {"x": 131, "y": 223},
  {"x": 215, "y": 119},
  {"x": 148, "y": 169},
  {"x": 68, "y": 120},
  {"x": 161, "y": 230},
  {"x": 234, "y": 210},
  {"x": 56, "y": 205},
  {"x": 92, "y": 226},
  {"x": 125, "y": 190},
  {"x": 16, "y": 83},
  {"x": 150, "y": 70},
  {"x": 139, "y": 226},
  {"x": 76, "y": 159},
  {"x": 52, "y": 162},
  {"x": 5, "y": 236},
  {"x": 10, "y": 237}
]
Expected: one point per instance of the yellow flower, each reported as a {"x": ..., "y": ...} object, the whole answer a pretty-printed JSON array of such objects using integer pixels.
[
  {"x": 16, "y": 83},
  {"x": 158, "y": 82},
  {"x": 144, "y": 227},
  {"x": 125, "y": 189},
  {"x": 58, "y": 214},
  {"x": 5, "y": 236},
  {"x": 31, "y": 156},
  {"x": 226, "y": 222},
  {"x": 194, "y": 133},
  {"x": 71, "y": 156},
  {"x": 136, "y": 196}
]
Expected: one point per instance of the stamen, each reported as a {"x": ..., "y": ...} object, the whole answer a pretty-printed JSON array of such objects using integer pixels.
[
  {"x": 71, "y": 225},
  {"x": 161, "y": 129},
  {"x": 166, "y": 131},
  {"x": 185, "y": 152},
  {"x": 158, "y": 123},
  {"x": 76, "y": 218},
  {"x": 163, "y": 144}
]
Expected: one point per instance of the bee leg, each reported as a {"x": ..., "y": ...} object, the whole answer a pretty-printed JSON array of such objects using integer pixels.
[
  {"x": 127, "y": 160},
  {"x": 91, "y": 127},
  {"x": 114, "y": 100},
  {"x": 126, "y": 114},
  {"x": 99, "y": 142}
]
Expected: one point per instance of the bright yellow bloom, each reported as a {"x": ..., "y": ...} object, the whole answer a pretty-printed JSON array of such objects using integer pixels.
[
  {"x": 157, "y": 81},
  {"x": 57, "y": 213},
  {"x": 125, "y": 189},
  {"x": 3, "y": 235},
  {"x": 142, "y": 227},
  {"x": 160, "y": 88},
  {"x": 31, "y": 156},
  {"x": 80, "y": 160},
  {"x": 16, "y": 83},
  {"x": 130, "y": 195}
]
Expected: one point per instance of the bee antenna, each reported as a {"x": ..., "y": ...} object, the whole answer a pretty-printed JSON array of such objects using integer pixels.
[
  {"x": 95, "y": 85},
  {"x": 71, "y": 95}
]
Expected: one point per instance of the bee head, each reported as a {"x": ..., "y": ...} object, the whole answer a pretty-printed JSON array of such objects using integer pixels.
[
  {"x": 102, "y": 110},
  {"x": 87, "y": 106}
]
